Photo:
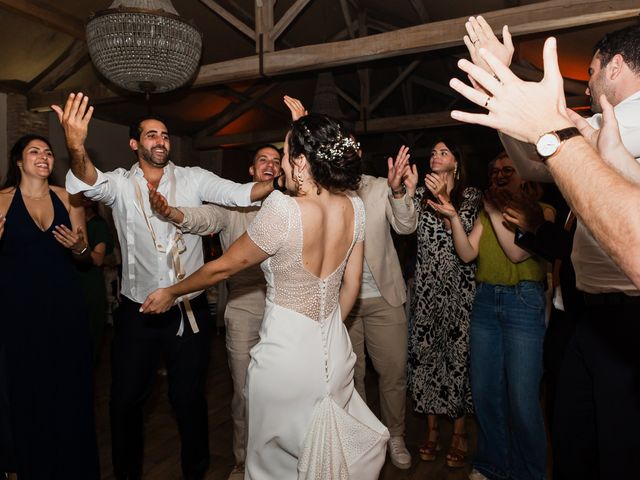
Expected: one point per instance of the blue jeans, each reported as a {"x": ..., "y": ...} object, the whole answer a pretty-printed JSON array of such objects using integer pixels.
[{"x": 507, "y": 331}]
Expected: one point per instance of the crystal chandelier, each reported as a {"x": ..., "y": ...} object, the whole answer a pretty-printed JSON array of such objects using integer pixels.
[{"x": 144, "y": 45}]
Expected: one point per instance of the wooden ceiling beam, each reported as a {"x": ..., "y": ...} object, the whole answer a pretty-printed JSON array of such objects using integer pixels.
[
  {"x": 370, "y": 126},
  {"x": 347, "y": 18},
  {"x": 288, "y": 17},
  {"x": 420, "y": 9},
  {"x": 235, "y": 111},
  {"x": 71, "y": 60},
  {"x": 436, "y": 87},
  {"x": 46, "y": 15},
  {"x": 230, "y": 18},
  {"x": 397, "y": 81},
  {"x": 98, "y": 93},
  {"x": 230, "y": 93},
  {"x": 533, "y": 18},
  {"x": 422, "y": 121},
  {"x": 264, "y": 27},
  {"x": 347, "y": 98},
  {"x": 528, "y": 19}
]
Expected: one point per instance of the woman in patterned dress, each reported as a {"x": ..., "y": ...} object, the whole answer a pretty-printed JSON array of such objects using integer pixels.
[{"x": 441, "y": 306}]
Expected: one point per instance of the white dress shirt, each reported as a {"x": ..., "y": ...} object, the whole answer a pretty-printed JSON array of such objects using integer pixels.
[
  {"x": 145, "y": 267},
  {"x": 596, "y": 272}
]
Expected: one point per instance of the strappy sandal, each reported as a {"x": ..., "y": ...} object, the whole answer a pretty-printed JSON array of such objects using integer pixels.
[
  {"x": 430, "y": 448},
  {"x": 457, "y": 458}
]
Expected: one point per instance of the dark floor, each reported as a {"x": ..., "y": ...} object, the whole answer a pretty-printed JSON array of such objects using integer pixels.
[{"x": 162, "y": 443}]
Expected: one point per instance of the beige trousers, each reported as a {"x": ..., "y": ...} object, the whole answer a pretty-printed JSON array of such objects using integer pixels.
[
  {"x": 242, "y": 329},
  {"x": 383, "y": 329}
]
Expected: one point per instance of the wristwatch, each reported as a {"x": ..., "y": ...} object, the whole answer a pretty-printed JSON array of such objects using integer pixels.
[{"x": 549, "y": 143}]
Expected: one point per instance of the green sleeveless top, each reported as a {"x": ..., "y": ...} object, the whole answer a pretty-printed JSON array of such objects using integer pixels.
[{"x": 494, "y": 266}]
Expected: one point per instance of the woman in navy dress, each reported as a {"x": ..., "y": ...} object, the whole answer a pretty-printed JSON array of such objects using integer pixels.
[{"x": 45, "y": 348}]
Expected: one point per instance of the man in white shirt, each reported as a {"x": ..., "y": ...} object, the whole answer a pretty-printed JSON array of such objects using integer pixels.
[
  {"x": 598, "y": 404},
  {"x": 155, "y": 254},
  {"x": 247, "y": 289}
]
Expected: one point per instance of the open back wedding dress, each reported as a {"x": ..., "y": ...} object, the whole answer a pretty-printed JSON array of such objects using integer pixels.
[{"x": 305, "y": 419}]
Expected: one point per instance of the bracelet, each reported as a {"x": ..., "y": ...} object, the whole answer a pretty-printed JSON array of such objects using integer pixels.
[
  {"x": 401, "y": 191},
  {"x": 276, "y": 185},
  {"x": 80, "y": 252}
]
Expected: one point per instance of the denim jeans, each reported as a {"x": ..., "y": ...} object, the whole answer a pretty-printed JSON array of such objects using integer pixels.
[{"x": 507, "y": 332}]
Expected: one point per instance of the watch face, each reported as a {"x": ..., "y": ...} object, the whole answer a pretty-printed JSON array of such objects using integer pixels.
[{"x": 547, "y": 144}]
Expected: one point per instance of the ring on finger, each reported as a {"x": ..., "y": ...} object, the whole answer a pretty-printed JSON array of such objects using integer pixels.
[{"x": 486, "y": 104}]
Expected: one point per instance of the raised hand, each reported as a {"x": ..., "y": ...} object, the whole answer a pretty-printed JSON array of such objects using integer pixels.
[
  {"x": 159, "y": 301},
  {"x": 75, "y": 119},
  {"x": 296, "y": 107},
  {"x": 436, "y": 185},
  {"x": 445, "y": 207},
  {"x": 480, "y": 35},
  {"x": 410, "y": 179},
  {"x": 522, "y": 110},
  {"x": 74, "y": 241},
  {"x": 397, "y": 168}
]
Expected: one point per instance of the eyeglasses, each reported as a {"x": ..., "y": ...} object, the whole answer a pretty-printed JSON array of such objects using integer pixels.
[{"x": 506, "y": 171}]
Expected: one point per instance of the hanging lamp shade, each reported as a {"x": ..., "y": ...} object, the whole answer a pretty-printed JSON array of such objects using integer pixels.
[{"x": 144, "y": 45}]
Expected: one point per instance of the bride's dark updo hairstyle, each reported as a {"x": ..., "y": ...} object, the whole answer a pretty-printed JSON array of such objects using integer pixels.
[{"x": 331, "y": 151}]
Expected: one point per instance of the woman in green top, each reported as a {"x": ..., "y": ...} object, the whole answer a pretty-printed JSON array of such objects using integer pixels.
[{"x": 507, "y": 331}]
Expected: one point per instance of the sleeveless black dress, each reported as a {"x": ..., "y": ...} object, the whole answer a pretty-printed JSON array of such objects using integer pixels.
[{"x": 45, "y": 353}]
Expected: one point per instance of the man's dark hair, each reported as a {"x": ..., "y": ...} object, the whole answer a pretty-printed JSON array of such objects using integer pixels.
[
  {"x": 625, "y": 42},
  {"x": 135, "y": 128},
  {"x": 260, "y": 147}
]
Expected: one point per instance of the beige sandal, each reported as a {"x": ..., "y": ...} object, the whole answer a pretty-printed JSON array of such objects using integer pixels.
[{"x": 456, "y": 457}]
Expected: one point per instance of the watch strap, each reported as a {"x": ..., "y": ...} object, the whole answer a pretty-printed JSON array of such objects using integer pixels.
[
  {"x": 563, "y": 135},
  {"x": 567, "y": 133}
]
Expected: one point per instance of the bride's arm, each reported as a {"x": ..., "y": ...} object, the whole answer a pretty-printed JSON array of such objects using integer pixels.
[
  {"x": 242, "y": 254},
  {"x": 351, "y": 280}
]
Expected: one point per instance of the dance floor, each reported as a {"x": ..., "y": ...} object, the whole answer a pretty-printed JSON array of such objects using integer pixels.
[{"x": 161, "y": 460}]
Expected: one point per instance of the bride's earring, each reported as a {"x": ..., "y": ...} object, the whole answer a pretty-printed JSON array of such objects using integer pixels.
[{"x": 299, "y": 179}]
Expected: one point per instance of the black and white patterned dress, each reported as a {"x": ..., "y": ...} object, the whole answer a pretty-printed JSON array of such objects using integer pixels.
[{"x": 443, "y": 293}]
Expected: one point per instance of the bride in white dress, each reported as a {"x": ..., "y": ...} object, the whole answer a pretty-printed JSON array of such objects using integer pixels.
[{"x": 306, "y": 421}]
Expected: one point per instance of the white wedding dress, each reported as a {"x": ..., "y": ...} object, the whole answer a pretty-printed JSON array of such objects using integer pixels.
[{"x": 305, "y": 419}]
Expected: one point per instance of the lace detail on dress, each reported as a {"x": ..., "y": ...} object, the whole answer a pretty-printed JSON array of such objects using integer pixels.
[
  {"x": 271, "y": 226},
  {"x": 336, "y": 443},
  {"x": 277, "y": 229}
]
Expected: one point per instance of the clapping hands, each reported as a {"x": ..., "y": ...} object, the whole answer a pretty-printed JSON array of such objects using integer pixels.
[{"x": 401, "y": 172}]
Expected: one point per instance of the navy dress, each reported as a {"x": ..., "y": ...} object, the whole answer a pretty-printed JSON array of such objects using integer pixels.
[{"x": 45, "y": 352}]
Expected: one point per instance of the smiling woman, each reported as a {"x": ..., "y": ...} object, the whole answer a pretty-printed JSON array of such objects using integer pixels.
[{"x": 45, "y": 351}]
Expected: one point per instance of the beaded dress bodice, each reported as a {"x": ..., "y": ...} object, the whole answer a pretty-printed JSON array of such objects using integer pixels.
[{"x": 277, "y": 229}]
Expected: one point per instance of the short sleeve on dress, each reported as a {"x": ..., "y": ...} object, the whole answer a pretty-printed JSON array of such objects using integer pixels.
[
  {"x": 271, "y": 226},
  {"x": 360, "y": 217}
]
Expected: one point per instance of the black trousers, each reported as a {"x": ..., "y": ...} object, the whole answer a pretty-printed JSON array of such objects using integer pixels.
[
  {"x": 597, "y": 411},
  {"x": 139, "y": 342}
]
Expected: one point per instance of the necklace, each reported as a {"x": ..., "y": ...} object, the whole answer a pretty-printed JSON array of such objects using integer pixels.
[{"x": 34, "y": 197}]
